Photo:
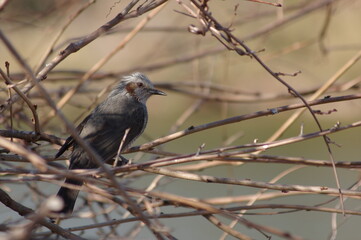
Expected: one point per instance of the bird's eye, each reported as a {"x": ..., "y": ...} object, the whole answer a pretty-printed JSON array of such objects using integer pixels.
[{"x": 140, "y": 84}]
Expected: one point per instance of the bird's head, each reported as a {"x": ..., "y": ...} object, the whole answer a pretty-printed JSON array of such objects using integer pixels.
[{"x": 137, "y": 85}]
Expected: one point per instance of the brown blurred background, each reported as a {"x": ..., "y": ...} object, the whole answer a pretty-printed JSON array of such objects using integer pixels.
[{"x": 317, "y": 43}]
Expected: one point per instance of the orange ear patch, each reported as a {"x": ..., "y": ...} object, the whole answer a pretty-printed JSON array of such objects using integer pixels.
[{"x": 130, "y": 87}]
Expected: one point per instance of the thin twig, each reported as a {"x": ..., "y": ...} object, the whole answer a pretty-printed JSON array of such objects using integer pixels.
[{"x": 21, "y": 94}]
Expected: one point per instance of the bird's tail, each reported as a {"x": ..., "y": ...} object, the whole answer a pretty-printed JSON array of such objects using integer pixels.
[{"x": 69, "y": 195}]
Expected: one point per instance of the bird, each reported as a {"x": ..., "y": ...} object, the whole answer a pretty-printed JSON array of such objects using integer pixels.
[{"x": 112, "y": 126}]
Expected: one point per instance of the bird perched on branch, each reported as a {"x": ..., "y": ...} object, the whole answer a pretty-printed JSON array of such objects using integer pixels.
[{"x": 110, "y": 128}]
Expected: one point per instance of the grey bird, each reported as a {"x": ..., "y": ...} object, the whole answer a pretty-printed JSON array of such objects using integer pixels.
[{"x": 120, "y": 118}]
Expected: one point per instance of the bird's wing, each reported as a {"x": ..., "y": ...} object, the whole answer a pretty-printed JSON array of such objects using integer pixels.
[
  {"x": 69, "y": 142},
  {"x": 105, "y": 132}
]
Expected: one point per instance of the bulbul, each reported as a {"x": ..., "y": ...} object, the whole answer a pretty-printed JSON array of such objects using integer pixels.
[{"x": 114, "y": 123}]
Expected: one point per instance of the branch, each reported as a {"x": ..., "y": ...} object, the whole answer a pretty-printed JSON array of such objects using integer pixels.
[
  {"x": 194, "y": 129},
  {"x": 31, "y": 136},
  {"x": 256, "y": 184}
]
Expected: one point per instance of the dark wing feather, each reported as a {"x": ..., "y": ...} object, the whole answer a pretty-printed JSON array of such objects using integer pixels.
[
  {"x": 104, "y": 131},
  {"x": 69, "y": 142}
]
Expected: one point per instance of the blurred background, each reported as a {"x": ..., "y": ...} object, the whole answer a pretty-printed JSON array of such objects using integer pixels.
[{"x": 205, "y": 82}]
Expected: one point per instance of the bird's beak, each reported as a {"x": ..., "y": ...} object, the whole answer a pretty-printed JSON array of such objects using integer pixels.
[{"x": 156, "y": 92}]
